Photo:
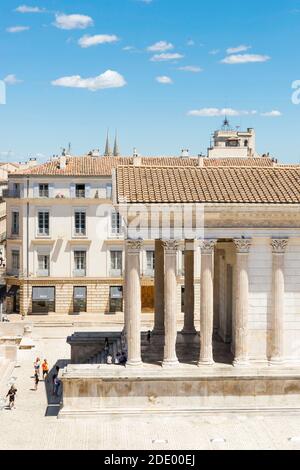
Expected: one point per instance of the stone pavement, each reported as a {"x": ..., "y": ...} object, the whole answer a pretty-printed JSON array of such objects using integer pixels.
[{"x": 33, "y": 424}]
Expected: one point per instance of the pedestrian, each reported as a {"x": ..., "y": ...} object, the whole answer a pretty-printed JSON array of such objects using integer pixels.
[
  {"x": 12, "y": 394},
  {"x": 109, "y": 359},
  {"x": 45, "y": 369},
  {"x": 56, "y": 384},
  {"x": 37, "y": 366},
  {"x": 149, "y": 336},
  {"x": 36, "y": 380}
]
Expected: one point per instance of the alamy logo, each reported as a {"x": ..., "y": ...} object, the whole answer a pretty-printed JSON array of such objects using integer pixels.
[
  {"x": 296, "y": 94},
  {"x": 2, "y": 92}
]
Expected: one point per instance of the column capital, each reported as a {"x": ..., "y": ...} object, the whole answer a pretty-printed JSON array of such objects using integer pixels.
[
  {"x": 134, "y": 245},
  {"x": 207, "y": 246},
  {"x": 279, "y": 245},
  {"x": 242, "y": 245},
  {"x": 170, "y": 246}
]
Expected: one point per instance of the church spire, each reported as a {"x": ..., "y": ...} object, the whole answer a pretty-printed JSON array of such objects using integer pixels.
[
  {"x": 116, "y": 146},
  {"x": 107, "y": 152}
]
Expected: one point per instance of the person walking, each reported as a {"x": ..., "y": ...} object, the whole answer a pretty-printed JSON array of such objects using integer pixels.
[
  {"x": 56, "y": 384},
  {"x": 37, "y": 366},
  {"x": 45, "y": 369},
  {"x": 11, "y": 394},
  {"x": 36, "y": 380}
]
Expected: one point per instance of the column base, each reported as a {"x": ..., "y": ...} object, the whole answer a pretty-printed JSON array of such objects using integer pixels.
[
  {"x": 241, "y": 363},
  {"x": 134, "y": 364},
  {"x": 206, "y": 362},
  {"x": 170, "y": 363},
  {"x": 157, "y": 332},
  {"x": 189, "y": 332},
  {"x": 276, "y": 361}
]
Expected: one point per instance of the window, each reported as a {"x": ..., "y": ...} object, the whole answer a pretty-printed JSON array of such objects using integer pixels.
[
  {"x": 79, "y": 299},
  {"x": 15, "y": 255},
  {"x": 115, "y": 299},
  {"x": 43, "y": 223},
  {"x": 150, "y": 255},
  {"x": 43, "y": 265},
  {"x": 44, "y": 190},
  {"x": 116, "y": 223},
  {"x": 16, "y": 190},
  {"x": 15, "y": 223},
  {"x": 116, "y": 263},
  {"x": 80, "y": 223},
  {"x": 79, "y": 263},
  {"x": 43, "y": 300},
  {"x": 80, "y": 190},
  {"x": 232, "y": 143}
]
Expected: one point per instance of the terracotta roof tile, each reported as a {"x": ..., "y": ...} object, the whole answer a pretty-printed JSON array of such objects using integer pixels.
[
  {"x": 208, "y": 185},
  {"x": 103, "y": 166}
]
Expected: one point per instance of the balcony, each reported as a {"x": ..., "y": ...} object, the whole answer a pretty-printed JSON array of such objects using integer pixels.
[
  {"x": 43, "y": 273},
  {"x": 11, "y": 193},
  {"x": 44, "y": 193},
  {"x": 80, "y": 193},
  {"x": 79, "y": 273},
  {"x": 116, "y": 273},
  {"x": 149, "y": 273}
]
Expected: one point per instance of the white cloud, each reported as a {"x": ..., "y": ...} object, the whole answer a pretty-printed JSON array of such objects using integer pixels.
[
  {"x": 216, "y": 112},
  {"x": 214, "y": 51},
  {"x": 108, "y": 79},
  {"x": 164, "y": 80},
  {"x": 17, "y": 29},
  {"x": 241, "y": 48},
  {"x": 73, "y": 21},
  {"x": 166, "y": 57},
  {"x": 273, "y": 113},
  {"x": 11, "y": 80},
  {"x": 88, "y": 41},
  {"x": 245, "y": 58},
  {"x": 191, "y": 68},
  {"x": 190, "y": 42},
  {"x": 160, "y": 46},
  {"x": 27, "y": 9}
]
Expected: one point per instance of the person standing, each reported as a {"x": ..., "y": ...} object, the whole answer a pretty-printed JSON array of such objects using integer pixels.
[
  {"x": 11, "y": 394},
  {"x": 36, "y": 380},
  {"x": 45, "y": 369},
  {"x": 56, "y": 384},
  {"x": 37, "y": 366}
]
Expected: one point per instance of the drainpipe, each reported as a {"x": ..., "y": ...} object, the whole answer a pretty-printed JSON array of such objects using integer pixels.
[{"x": 27, "y": 246}]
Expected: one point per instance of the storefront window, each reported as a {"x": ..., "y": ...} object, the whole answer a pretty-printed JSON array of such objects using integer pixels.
[
  {"x": 79, "y": 299},
  {"x": 116, "y": 299},
  {"x": 43, "y": 300}
]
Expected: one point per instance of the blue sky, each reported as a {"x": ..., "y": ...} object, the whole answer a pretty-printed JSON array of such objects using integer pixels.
[{"x": 147, "y": 56}]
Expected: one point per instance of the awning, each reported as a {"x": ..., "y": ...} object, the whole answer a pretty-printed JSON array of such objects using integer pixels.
[{"x": 13, "y": 291}]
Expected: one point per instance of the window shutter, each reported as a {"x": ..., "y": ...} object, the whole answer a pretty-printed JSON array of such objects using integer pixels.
[
  {"x": 108, "y": 191},
  {"x": 87, "y": 190},
  {"x": 35, "y": 190},
  {"x": 72, "y": 190},
  {"x": 51, "y": 190}
]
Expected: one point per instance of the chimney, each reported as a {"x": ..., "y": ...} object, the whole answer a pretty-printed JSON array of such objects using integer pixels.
[
  {"x": 137, "y": 159},
  {"x": 62, "y": 162},
  {"x": 185, "y": 153},
  {"x": 200, "y": 161}
]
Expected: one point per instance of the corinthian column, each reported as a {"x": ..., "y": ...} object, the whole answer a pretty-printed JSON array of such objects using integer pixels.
[
  {"x": 159, "y": 279},
  {"x": 242, "y": 301},
  {"x": 170, "y": 357},
  {"x": 133, "y": 302},
  {"x": 207, "y": 303},
  {"x": 277, "y": 324},
  {"x": 189, "y": 293}
]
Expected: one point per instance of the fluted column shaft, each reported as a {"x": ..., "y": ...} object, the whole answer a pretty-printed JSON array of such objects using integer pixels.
[
  {"x": 189, "y": 289},
  {"x": 170, "y": 289},
  {"x": 159, "y": 280},
  {"x": 133, "y": 302},
  {"x": 277, "y": 323},
  {"x": 207, "y": 303},
  {"x": 242, "y": 301}
]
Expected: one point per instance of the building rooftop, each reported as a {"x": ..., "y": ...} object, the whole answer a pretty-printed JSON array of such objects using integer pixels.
[
  {"x": 208, "y": 185},
  {"x": 103, "y": 166}
]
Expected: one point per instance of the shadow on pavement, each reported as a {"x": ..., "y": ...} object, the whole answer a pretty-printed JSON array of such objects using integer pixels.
[{"x": 54, "y": 402}]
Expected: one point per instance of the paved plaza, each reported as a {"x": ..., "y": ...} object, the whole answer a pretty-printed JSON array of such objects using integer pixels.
[{"x": 34, "y": 424}]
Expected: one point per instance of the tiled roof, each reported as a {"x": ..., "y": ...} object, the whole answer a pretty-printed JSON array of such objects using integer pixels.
[
  {"x": 208, "y": 185},
  {"x": 103, "y": 166}
]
